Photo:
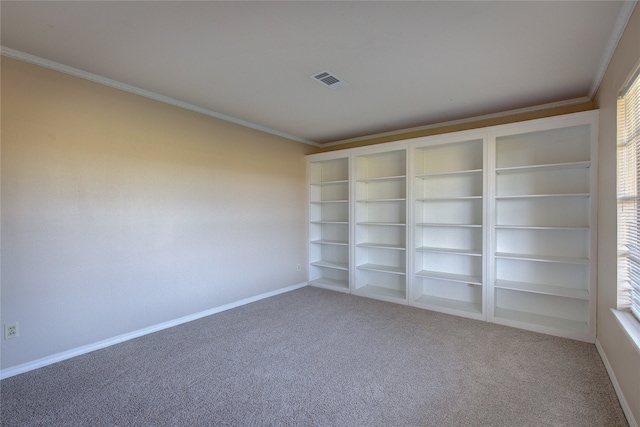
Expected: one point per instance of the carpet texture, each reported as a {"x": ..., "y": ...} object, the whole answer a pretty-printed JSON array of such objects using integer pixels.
[{"x": 313, "y": 357}]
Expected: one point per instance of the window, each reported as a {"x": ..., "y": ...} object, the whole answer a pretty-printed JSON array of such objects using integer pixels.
[{"x": 629, "y": 197}]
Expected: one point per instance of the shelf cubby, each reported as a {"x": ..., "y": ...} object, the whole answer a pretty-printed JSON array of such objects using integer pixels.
[
  {"x": 569, "y": 274},
  {"x": 448, "y": 198},
  {"x": 496, "y": 224},
  {"x": 571, "y": 242},
  {"x": 554, "y": 146},
  {"x": 448, "y": 297},
  {"x": 329, "y": 224},
  {"x": 550, "y": 313},
  {"x": 380, "y": 211},
  {"x": 569, "y": 212},
  {"x": 542, "y": 240},
  {"x": 537, "y": 288}
]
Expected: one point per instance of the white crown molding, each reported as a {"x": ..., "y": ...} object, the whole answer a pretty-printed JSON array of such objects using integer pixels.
[
  {"x": 525, "y": 110},
  {"x": 32, "y": 59},
  {"x": 616, "y": 34}
]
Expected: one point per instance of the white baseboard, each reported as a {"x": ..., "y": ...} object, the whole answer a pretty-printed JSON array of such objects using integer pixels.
[
  {"x": 623, "y": 402},
  {"x": 39, "y": 363}
]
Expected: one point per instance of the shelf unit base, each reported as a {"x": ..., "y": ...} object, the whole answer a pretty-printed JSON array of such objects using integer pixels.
[{"x": 381, "y": 293}]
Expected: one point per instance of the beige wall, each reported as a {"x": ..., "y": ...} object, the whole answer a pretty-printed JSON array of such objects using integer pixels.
[
  {"x": 119, "y": 212},
  {"x": 624, "y": 359}
]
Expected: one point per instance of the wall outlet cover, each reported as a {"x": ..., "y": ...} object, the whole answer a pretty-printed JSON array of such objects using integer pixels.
[{"x": 11, "y": 330}]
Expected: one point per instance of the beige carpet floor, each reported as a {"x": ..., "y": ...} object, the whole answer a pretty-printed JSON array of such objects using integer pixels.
[{"x": 319, "y": 358}]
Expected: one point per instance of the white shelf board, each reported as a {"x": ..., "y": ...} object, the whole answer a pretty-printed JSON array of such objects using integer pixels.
[
  {"x": 380, "y": 245},
  {"x": 448, "y": 198},
  {"x": 399, "y": 199},
  {"x": 382, "y": 268},
  {"x": 543, "y": 258},
  {"x": 329, "y": 222},
  {"x": 340, "y": 181},
  {"x": 331, "y": 264},
  {"x": 449, "y": 251},
  {"x": 542, "y": 227},
  {"x": 383, "y": 178},
  {"x": 543, "y": 167},
  {"x": 379, "y": 291},
  {"x": 450, "y": 173},
  {"x": 320, "y": 202},
  {"x": 395, "y": 224},
  {"x": 541, "y": 196},
  {"x": 536, "y": 288},
  {"x": 339, "y": 285},
  {"x": 330, "y": 242},
  {"x": 442, "y": 224},
  {"x": 461, "y": 278},
  {"x": 523, "y": 317},
  {"x": 466, "y": 306}
]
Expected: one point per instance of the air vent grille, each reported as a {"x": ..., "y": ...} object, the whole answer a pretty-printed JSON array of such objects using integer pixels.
[{"x": 330, "y": 80}]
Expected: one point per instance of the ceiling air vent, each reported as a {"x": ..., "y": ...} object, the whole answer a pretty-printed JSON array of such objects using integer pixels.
[{"x": 329, "y": 80}]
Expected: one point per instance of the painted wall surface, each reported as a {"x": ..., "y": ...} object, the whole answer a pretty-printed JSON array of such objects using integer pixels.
[
  {"x": 623, "y": 357},
  {"x": 119, "y": 212}
]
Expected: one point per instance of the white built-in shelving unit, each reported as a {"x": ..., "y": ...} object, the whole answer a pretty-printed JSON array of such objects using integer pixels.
[
  {"x": 543, "y": 181},
  {"x": 496, "y": 224},
  {"x": 448, "y": 195},
  {"x": 380, "y": 197},
  {"x": 329, "y": 223}
]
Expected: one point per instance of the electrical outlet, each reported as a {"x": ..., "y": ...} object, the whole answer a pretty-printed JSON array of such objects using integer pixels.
[
  {"x": 298, "y": 267},
  {"x": 11, "y": 330}
]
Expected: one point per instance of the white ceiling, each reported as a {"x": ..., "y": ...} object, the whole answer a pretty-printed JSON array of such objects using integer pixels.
[{"x": 408, "y": 64}]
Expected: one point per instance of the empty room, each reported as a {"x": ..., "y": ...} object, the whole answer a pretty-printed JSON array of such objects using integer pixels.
[{"x": 320, "y": 213}]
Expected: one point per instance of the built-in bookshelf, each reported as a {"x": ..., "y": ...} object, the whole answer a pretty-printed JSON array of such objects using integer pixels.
[
  {"x": 544, "y": 177},
  {"x": 448, "y": 195},
  {"x": 329, "y": 224},
  {"x": 380, "y": 198}
]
